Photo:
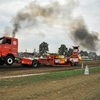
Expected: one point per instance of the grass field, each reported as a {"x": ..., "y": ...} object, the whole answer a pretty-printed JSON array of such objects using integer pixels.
[
  {"x": 67, "y": 85},
  {"x": 90, "y": 61}
]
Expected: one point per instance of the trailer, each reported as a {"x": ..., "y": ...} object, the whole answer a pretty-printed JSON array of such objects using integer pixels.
[
  {"x": 61, "y": 60},
  {"x": 52, "y": 60}
]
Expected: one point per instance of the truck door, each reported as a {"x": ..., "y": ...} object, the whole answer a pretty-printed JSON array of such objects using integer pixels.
[{"x": 6, "y": 47}]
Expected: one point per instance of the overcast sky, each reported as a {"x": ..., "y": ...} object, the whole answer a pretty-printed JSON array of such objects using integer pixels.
[{"x": 50, "y": 30}]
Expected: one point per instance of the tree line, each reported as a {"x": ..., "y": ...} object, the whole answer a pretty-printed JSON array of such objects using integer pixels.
[
  {"x": 63, "y": 50},
  {"x": 89, "y": 54}
]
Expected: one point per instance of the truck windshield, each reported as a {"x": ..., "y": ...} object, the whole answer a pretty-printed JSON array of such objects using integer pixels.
[{"x": 1, "y": 40}]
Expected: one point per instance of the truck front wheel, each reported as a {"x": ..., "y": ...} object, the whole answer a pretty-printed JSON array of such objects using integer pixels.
[{"x": 9, "y": 60}]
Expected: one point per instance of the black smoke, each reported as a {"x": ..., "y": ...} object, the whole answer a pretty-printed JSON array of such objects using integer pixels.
[
  {"x": 82, "y": 36},
  {"x": 31, "y": 13}
]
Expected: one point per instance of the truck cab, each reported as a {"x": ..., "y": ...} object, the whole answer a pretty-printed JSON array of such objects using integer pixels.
[{"x": 8, "y": 50}]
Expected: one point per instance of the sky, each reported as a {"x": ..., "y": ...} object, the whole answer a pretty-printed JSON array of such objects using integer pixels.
[{"x": 53, "y": 27}]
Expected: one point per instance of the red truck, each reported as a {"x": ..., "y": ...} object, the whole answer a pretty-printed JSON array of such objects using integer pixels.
[{"x": 9, "y": 49}]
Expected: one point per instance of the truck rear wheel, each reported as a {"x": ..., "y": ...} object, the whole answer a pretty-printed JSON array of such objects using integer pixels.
[
  {"x": 34, "y": 63},
  {"x": 9, "y": 60},
  {"x": 2, "y": 62}
]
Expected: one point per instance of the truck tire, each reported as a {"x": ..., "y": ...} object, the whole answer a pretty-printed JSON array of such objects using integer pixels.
[
  {"x": 35, "y": 63},
  {"x": 9, "y": 60},
  {"x": 2, "y": 62}
]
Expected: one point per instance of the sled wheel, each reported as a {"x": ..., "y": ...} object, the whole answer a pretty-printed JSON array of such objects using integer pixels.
[{"x": 35, "y": 63}]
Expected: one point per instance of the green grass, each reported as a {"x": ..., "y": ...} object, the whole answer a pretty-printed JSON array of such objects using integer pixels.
[
  {"x": 95, "y": 69},
  {"x": 90, "y": 61},
  {"x": 45, "y": 77}
]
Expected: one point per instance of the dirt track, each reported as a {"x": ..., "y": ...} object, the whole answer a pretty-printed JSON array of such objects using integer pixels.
[
  {"x": 80, "y": 87},
  {"x": 17, "y": 69}
]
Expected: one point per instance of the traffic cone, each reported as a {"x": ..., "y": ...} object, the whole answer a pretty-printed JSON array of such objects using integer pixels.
[{"x": 86, "y": 70}]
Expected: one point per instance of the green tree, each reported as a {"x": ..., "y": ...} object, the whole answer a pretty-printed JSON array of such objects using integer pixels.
[
  {"x": 82, "y": 52},
  {"x": 92, "y": 54},
  {"x": 63, "y": 50},
  {"x": 43, "y": 48},
  {"x": 53, "y": 53},
  {"x": 70, "y": 52},
  {"x": 85, "y": 53},
  {"x": 95, "y": 54}
]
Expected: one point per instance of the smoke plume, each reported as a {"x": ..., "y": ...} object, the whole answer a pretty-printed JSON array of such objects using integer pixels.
[
  {"x": 32, "y": 13},
  {"x": 81, "y": 35}
]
